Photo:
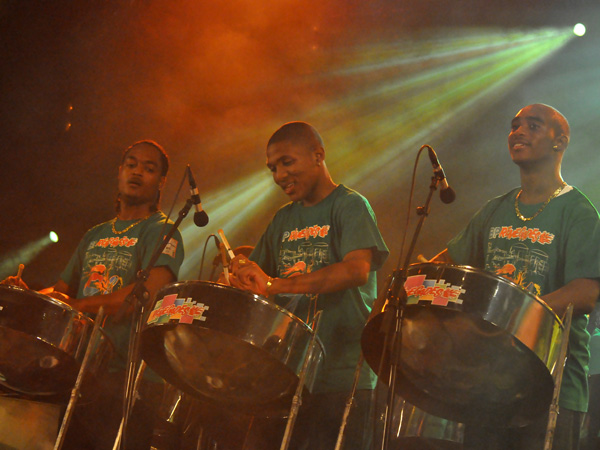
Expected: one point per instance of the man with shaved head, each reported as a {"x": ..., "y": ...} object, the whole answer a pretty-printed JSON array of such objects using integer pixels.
[
  {"x": 320, "y": 252},
  {"x": 558, "y": 235}
]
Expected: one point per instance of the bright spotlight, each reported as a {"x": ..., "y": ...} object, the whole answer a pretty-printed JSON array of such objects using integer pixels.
[
  {"x": 579, "y": 29},
  {"x": 25, "y": 254}
]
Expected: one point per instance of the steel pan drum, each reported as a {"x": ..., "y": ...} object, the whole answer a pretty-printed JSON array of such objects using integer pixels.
[
  {"x": 42, "y": 344},
  {"x": 476, "y": 348},
  {"x": 227, "y": 346}
]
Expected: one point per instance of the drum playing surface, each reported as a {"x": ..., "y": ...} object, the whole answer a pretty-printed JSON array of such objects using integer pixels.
[
  {"x": 227, "y": 346},
  {"x": 476, "y": 348}
]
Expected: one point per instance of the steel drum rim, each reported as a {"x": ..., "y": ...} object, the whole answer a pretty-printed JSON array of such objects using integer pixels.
[
  {"x": 295, "y": 344},
  {"x": 75, "y": 314},
  {"x": 493, "y": 276},
  {"x": 47, "y": 298},
  {"x": 256, "y": 297}
]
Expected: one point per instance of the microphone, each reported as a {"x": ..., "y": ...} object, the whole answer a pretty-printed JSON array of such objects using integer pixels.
[
  {"x": 200, "y": 217},
  {"x": 447, "y": 194}
]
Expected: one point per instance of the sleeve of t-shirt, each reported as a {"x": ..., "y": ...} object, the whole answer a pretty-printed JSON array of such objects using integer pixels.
[
  {"x": 172, "y": 255},
  {"x": 71, "y": 274},
  {"x": 466, "y": 248},
  {"x": 263, "y": 252},
  {"x": 356, "y": 220},
  {"x": 582, "y": 248}
]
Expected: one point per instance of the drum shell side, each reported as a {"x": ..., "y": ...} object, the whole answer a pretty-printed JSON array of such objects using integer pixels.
[
  {"x": 43, "y": 342},
  {"x": 252, "y": 347},
  {"x": 485, "y": 356}
]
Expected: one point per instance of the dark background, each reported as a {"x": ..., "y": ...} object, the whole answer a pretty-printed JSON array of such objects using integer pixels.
[{"x": 82, "y": 80}]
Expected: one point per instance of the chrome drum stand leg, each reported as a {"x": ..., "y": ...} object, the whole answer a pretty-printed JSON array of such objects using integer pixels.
[
  {"x": 558, "y": 379},
  {"x": 95, "y": 336},
  {"x": 297, "y": 400}
]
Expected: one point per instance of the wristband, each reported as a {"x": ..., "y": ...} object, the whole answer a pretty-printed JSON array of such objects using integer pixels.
[{"x": 269, "y": 284}]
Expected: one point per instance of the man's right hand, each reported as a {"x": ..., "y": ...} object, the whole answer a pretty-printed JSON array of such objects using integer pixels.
[
  {"x": 246, "y": 274},
  {"x": 14, "y": 281}
]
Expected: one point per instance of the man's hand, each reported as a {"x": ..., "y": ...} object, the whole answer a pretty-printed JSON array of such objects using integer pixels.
[
  {"x": 14, "y": 281},
  {"x": 247, "y": 275}
]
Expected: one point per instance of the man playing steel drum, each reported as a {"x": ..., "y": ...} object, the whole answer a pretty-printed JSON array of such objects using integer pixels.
[
  {"x": 101, "y": 273},
  {"x": 558, "y": 228},
  {"x": 320, "y": 252}
]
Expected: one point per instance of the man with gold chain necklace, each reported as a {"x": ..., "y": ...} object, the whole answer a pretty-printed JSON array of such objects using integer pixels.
[
  {"x": 544, "y": 236},
  {"x": 102, "y": 272}
]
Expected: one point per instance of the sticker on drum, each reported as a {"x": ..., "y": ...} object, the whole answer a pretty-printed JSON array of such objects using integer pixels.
[
  {"x": 475, "y": 347},
  {"x": 436, "y": 292},
  {"x": 182, "y": 310}
]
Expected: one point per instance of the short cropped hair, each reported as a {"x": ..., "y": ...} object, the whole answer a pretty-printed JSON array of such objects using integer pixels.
[{"x": 300, "y": 133}]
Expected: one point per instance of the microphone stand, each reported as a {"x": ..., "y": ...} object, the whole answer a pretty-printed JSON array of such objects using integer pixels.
[
  {"x": 395, "y": 306},
  {"x": 138, "y": 297}
]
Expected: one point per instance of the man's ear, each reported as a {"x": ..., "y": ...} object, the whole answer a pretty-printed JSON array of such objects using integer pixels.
[
  {"x": 561, "y": 143},
  {"x": 319, "y": 155}
]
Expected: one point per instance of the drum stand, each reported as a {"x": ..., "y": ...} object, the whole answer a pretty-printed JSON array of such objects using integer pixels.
[
  {"x": 138, "y": 298},
  {"x": 395, "y": 305},
  {"x": 94, "y": 338},
  {"x": 558, "y": 379},
  {"x": 297, "y": 400},
  {"x": 349, "y": 402}
]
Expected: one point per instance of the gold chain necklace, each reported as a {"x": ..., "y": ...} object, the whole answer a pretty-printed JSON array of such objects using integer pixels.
[
  {"x": 112, "y": 224},
  {"x": 526, "y": 219}
]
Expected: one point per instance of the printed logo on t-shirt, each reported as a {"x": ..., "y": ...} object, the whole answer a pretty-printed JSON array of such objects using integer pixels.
[
  {"x": 522, "y": 234},
  {"x": 303, "y": 251},
  {"x": 114, "y": 242},
  {"x": 106, "y": 262},
  {"x": 512, "y": 255},
  {"x": 306, "y": 233},
  {"x": 100, "y": 281}
]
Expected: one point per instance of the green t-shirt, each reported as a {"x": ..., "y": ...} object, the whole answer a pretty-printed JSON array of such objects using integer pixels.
[
  {"x": 105, "y": 262},
  {"x": 559, "y": 245},
  {"x": 301, "y": 240},
  {"x": 595, "y": 352}
]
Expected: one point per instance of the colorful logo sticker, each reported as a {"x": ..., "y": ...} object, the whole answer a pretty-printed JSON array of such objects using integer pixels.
[
  {"x": 172, "y": 308},
  {"x": 438, "y": 292}
]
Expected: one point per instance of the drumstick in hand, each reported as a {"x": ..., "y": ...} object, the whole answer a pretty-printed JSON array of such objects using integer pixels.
[
  {"x": 19, "y": 274},
  {"x": 226, "y": 244}
]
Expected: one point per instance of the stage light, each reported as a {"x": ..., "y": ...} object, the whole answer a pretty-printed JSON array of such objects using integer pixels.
[
  {"x": 26, "y": 254},
  {"x": 579, "y": 29},
  {"x": 390, "y": 98}
]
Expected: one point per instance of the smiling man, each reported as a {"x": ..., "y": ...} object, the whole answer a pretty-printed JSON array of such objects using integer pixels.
[
  {"x": 544, "y": 236},
  {"x": 320, "y": 252}
]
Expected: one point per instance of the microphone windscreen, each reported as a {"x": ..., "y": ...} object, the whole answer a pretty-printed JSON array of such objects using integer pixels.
[
  {"x": 201, "y": 218},
  {"x": 447, "y": 195}
]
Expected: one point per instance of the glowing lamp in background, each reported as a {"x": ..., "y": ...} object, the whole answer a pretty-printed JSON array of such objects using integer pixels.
[{"x": 579, "y": 29}]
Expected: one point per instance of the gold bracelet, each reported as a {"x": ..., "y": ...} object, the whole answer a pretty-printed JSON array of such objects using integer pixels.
[{"x": 269, "y": 284}]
